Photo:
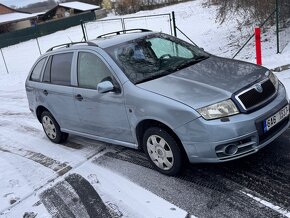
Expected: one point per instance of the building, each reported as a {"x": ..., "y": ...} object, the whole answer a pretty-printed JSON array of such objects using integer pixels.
[
  {"x": 5, "y": 10},
  {"x": 11, "y": 19},
  {"x": 68, "y": 9}
]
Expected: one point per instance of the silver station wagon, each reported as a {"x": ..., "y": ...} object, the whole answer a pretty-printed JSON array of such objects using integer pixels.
[{"x": 152, "y": 91}]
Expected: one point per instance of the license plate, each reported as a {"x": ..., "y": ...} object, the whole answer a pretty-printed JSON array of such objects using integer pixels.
[{"x": 276, "y": 118}]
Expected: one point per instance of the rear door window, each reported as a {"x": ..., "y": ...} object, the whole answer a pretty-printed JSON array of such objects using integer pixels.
[
  {"x": 60, "y": 69},
  {"x": 36, "y": 73}
]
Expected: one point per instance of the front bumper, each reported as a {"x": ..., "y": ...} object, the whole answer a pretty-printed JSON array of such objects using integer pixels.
[{"x": 205, "y": 141}]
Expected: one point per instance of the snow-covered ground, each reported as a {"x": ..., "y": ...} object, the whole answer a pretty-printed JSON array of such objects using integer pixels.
[{"x": 30, "y": 164}]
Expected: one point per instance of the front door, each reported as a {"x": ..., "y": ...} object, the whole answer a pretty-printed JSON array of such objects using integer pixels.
[{"x": 101, "y": 114}]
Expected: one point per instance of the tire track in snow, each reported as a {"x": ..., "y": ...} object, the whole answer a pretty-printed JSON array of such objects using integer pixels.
[
  {"x": 224, "y": 189},
  {"x": 89, "y": 197},
  {"x": 266, "y": 172},
  {"x": 39, "y": 158},
  {"x": 100, "y": 151}
]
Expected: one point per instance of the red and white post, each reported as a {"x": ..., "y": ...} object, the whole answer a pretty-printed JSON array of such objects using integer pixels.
[{"x": 258, "y": 45}]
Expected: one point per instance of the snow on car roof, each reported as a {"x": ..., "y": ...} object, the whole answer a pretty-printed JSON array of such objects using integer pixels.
[
  {"x": 17, "y": 16},
  {"x": 80, "y": 6},
  {"x": 119, "y": 39}
]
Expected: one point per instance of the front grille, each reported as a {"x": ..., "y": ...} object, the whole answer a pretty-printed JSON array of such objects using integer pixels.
[{"x": 252, "y": 98}]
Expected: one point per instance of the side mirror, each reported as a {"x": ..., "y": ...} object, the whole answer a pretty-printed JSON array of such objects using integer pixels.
[{"x": 105, "y": 86}]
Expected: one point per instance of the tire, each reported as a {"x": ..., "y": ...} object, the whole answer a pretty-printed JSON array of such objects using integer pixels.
[
  {"x": 163, "y": 151},
  {"x": 52, "y": 129}
]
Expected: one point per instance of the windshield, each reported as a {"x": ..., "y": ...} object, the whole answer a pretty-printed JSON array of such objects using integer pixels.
[{"x": 155, "y": 56}]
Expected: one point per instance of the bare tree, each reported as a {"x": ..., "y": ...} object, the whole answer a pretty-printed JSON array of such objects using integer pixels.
[
  {"x": 128, "y": 6},
  {"x": 257, "y": 10}
]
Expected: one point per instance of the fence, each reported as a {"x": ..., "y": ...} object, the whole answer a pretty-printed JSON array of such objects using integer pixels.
[
  {"x": 152, "y": 22},
  {"x": 15, "y": 37},
  {"x": 283, "y": 24},
  {"x": 26, "y": 52},
  {"x": 29, "y": 51},
  {"x": 281, "y": 18}
]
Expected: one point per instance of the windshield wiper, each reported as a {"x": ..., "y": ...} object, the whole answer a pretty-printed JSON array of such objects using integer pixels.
[
  {"x": 174, "y": 69},
  {"x": 191, "y": 62},
  {"x": 156, "y": 76},
  {"x": 201, "y": 57}
]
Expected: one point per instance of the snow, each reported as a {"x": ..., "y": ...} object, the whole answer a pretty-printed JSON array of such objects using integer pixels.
[
  {"x": 30, "y": 163},
  {"x": 284, "y": 77},
  {"x": 80, "y": 6},
  {"x": 18, "y": 3},
  {"x": 138, "y": 201},
  {"x": 16, "y": 16},
  {"x": 20, "y": 179},
  {"x": 116, "y": 191}
]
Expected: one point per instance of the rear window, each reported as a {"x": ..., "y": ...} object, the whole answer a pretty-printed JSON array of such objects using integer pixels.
[
  {"x": 60, "y": 69},
  {"x": 36, "y": 73}
]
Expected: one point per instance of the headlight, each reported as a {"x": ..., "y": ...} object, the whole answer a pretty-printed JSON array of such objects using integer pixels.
[
  {"x": 274, "y": 79},
  {"x": 218, "y": 110}
]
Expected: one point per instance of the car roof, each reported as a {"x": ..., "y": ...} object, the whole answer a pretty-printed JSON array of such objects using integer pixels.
[{"x": 103, "y": 42}]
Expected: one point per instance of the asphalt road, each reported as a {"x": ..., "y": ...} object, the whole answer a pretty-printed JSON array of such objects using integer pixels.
[{"x": 255, "y": 186}]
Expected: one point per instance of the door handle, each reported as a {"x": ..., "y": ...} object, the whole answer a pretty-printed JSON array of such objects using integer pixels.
[
  {"x": 45, "y": 92},
  {"x": 79, "y": 97}
]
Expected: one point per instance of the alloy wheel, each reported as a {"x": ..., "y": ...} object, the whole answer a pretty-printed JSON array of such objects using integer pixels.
[
  {"x": 49, "y": 127},
  {"x": 160, "y": 152}
]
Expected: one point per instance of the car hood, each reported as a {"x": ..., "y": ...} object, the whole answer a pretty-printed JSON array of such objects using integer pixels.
[{"x": 207, "y": 82}]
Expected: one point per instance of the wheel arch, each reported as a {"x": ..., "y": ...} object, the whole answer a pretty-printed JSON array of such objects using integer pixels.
[
  {"x": 146, "y": 124},
  {"x": 39, "y": 111}
]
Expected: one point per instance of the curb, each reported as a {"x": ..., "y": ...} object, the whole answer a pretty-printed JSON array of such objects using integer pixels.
[{"x": 282, "y": 68}]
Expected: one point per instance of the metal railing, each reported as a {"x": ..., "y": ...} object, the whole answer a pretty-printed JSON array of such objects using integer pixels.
[{"x": 92, "y": 29}]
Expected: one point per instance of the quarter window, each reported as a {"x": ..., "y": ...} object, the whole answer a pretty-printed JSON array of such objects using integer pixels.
[
  {"x": 36, "y": 73},
  {"x": 61, "y": 69},
  {"x": 46, "y": 76},
  {"x": 91, "y": 70}
]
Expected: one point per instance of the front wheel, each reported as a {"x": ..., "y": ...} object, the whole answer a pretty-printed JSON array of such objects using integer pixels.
[
  {"x": 162, "y": 150},
  {"x": 52, "y": 129}
]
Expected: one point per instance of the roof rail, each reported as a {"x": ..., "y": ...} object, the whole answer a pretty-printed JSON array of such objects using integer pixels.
[
  {"x": 67, "y": 45},
  {"x": 123, "y": 32}
]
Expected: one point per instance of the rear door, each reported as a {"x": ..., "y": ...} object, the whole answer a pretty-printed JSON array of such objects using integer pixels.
[
  {"x": 101, "y": 114},
  {"x": 56, "y": 91},
  {"x": 33, "y": 81}
]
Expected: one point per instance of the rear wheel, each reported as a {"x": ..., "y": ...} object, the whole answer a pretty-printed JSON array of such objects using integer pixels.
[
  {"x": 162, "y": 150},
  {"x": 52, "y": 129}
]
